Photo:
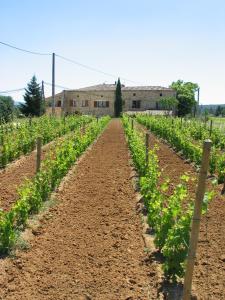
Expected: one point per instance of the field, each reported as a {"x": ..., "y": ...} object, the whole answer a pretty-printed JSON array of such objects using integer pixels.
[
  {"x": 76, "y": 229},
  {"x": 218, "y": 122}
]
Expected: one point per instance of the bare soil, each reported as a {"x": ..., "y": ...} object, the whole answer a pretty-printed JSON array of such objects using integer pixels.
[
  {"x": 209, "y": 272},
  {"x": 89, "y": 245},
  {"x": 15, "y": 174}
]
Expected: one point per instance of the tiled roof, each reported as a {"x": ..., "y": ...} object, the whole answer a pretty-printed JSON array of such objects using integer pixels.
[
  {"x": 112, "y": 87},
  {"x": 99, "y": 87},
  {"x": 145, "y": 88}
]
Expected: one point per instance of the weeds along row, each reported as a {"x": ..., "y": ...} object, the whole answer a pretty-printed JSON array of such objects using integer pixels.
[
  {"x": 169, "y": 213},
  {"x": 35, "y": 191},
  {"x": 183, "y": 137},
  {"x": 18, "y": 139}
]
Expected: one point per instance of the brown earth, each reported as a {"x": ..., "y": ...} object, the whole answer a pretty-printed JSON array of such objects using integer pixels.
[
  {"x": 15, "y": 174},
  {"x": 89, "y": 245},
  {"x": 209, "y": 272}
]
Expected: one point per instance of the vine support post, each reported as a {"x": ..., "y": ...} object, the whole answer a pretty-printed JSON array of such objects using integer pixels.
[
  {"x": 132, "y": 124},
  {"x": 210, "y": 129},
  {"x": 38, "y": 161},
  {"x": 223, "y": 190},
  {"x": 196, "y": 220},
  {"x": 97, "y": 119},
  {"x": 146, "y": 148}
]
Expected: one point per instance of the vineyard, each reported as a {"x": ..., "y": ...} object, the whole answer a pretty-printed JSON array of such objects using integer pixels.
[
  {"x": 88, "y": 243},
  {"x": 20, "y": 138}
]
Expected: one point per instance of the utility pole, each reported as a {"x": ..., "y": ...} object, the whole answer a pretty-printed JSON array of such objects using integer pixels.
[
  {"x": 42, "y": 91},
  {"x": 63, "y": 103},
  {"x": 198, "y": 110},
  {"x": 53, "y": 84},
  {"x": 42, "y": 106}
]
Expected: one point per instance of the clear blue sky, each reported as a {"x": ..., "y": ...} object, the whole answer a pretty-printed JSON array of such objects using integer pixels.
[{"x": 149, "y": 42}]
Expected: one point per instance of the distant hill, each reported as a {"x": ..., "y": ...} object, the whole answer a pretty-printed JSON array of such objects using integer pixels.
[{"x": 211, "y": 107}]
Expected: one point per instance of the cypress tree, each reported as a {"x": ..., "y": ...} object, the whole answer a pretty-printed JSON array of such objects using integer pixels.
[
  {"x": 118, "y": 107},
  {"x": 33, "y": 105}
]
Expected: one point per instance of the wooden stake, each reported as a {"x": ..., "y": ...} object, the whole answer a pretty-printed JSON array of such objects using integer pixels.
[
  {"x": 132, "y": 124},
  {"x": 196, "y": 220},
  {"x": 223, "y": 190},
  {"x": 38, "y": 161},
  {"x": 146, "y": 148}
]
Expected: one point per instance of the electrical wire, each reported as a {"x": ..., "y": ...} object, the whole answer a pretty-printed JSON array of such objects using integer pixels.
[
  {"x": 68, "y": 60},
  {"x": 24, "y": 50},
  {"x": 57, "y": 85},
  {"x": 92, "y": 68},
  {"x": 12, "y": 91}
]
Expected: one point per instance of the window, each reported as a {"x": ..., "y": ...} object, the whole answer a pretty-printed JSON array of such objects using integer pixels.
[
  {"x": 73, "y": 103},
  {"x": 160, "y": 94},
  {"x": 136, "y": 104},
  {"x": 84, "y": 103},
  {"x": 59, "y": 103},
  {"x": 101, "y": 104},
  {"x": 134, "y": 94}
]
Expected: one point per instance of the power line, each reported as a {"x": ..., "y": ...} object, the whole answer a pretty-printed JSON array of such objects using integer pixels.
[
  {"x": 56, "y": 85},
  {"x": 24, "y": 50},
  {"x": 66, "y": 59},
  {"x": 12, "y": 91},
  {"x": 92, "y": 68}
]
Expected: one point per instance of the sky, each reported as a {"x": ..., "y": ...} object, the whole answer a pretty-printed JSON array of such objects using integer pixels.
[{"x": 144, "y": 42}]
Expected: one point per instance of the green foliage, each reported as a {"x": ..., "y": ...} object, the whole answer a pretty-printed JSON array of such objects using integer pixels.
[
  {"x": 18, "y": 139},
  {"x": 185, "y": 93},
  {"x": 33, "y": 192},
  {"x": 168, "y": 214},
  {"x": 187, "y": 138},
  {"x": 34, "y": 105},
  {"x": 6, "y": 108},
  {"x": 118, "y": 104},
  {"x": 168, "y": 103},
  {"x": 220, "y": 111}
]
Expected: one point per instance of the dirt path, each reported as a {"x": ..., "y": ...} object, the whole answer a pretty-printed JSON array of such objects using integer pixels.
[
  {"x": 17, "y": 171},
  {"x": 209, "y": 272},
  {"x": 90, "y": 244},
  {"x": 14, "y": 175}
]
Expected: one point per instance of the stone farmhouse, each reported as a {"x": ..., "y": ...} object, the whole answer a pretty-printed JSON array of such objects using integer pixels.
[{"x": 99, "y": 99}]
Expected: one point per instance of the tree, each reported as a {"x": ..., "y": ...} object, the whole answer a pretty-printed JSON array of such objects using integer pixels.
[
  {"x": 118, "y": 106},
  {"x": 34, "y": 104},
  {"x": 219, "y": 111},
  {"x": 185, "y": 94},
  {"x": 6, "y": 108},
  {"x": 168, "y": 103}
]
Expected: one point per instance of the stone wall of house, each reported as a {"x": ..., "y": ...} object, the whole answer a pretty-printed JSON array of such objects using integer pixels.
[
  {"x": 83, "y": 101},
  {"x": 148, "y": 98},
  {"x": 83, "y": 98}
]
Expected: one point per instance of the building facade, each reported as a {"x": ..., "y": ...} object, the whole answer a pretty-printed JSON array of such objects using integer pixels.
[{"x": 99, "y": 99}]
